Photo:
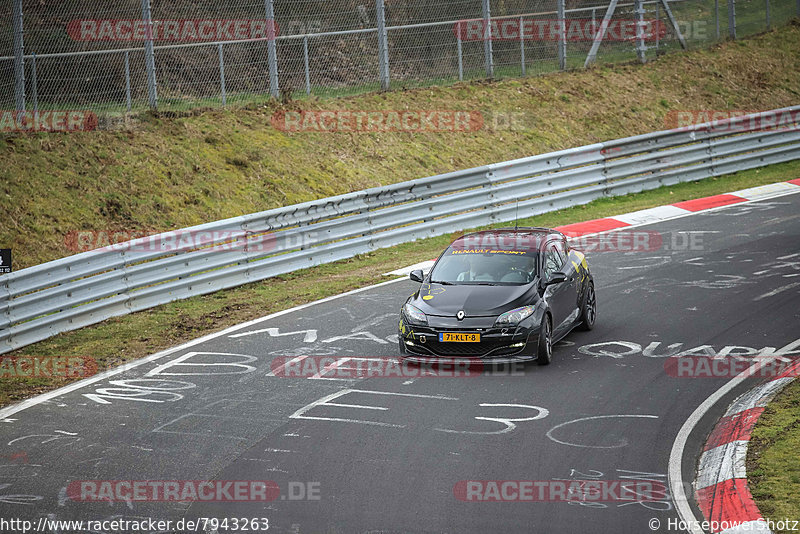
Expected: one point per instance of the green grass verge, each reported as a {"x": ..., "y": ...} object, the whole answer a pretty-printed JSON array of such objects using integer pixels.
[
  {"x": 123, "y": 339},
  {"x": 773, "y": 467}
]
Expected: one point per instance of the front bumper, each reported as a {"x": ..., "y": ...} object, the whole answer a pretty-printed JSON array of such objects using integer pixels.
[
  {"x": 420, "y": 344},
  {"x": 494, "y": 361}
]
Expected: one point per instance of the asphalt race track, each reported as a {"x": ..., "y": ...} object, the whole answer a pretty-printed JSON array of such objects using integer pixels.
[{"x": 384, "y": 454}]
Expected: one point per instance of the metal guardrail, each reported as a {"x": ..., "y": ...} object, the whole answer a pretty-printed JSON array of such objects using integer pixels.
[{"x": 87, "y": 288}]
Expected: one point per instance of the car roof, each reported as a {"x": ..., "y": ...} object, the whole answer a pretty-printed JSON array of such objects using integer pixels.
[{"x": 526, "y": 230}]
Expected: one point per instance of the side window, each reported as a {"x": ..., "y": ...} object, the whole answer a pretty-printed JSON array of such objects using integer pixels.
[
  {"x": 553, "y": 260},
  {"x": 561, "y": 249}
]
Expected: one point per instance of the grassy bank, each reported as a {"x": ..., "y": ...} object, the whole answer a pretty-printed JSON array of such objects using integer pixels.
[
  {"x": 116, "y": 341},
  {"x": 773, "y": 469},
  {"x": 175, "y": 171}
]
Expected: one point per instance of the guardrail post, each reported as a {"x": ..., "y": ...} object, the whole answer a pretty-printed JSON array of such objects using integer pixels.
[
  {"x": 222, "y": 76},
  {"x": 732, "y": 18},
  {"x": 149, "y": 56},
  {"x": 487, "y": 38},
  {"x": 383, "y": 45},
  {"x": 562, "y": 36},
  {"x": 272, "y": 50},
  {"x": 19, "y": 56},
  {"x": 305, "y": 64},
  {"x": 128, "y": 80}
]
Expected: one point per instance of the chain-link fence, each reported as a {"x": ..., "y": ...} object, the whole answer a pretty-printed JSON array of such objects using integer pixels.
[{"x": 134, "y": 54}]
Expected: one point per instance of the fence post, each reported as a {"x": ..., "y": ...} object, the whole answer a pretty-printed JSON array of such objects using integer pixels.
[
  {"x": 658, "y": 26},
  {"x": 272, "y": 50},
  {"x": 149, "y": 56},
  {"x": 674, "y": 22},
  {"x": 383, "y": 45},
  {"x": 522, "y": 44},
  {"x": 716, "y": 16},
  {"x": 461, "y": 53},
  {"x": 562, "y": 37},
  {"x": 19, "y": 57},
  {"x": 640, "y": 46},
  {"x": 305, "y": 63},
  {"x": 600, "y": 34},
  {"x": 128, "y": 80},
  {"x": 487, "y": 39},
  {"x": 35, "y": 82},
  {"x": 222, "y": 76},
  {"x": 732, "y": 18}
]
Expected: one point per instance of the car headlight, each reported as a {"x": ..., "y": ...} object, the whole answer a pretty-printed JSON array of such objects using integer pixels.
[
  {"x": 414, "y": 315},
  {"x": 515, "y": 316}
]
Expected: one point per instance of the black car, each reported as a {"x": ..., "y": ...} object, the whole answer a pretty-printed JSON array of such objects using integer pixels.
[{"x": 499, "y": 295}]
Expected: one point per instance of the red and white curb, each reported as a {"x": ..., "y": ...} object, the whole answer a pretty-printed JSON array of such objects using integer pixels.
[
  {"x": 652, "y": 215},
  {"x": 721, "y": 488},
  {"x": 679, "y": 209}
]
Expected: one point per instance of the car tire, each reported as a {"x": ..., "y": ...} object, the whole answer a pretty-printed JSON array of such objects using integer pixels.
[
  {"x": 544, "y": 352},
  {"x": 589, "y": 309}
]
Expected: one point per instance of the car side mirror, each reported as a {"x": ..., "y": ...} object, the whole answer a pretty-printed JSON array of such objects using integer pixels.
[
  {"x": 417, "y": 275},
  {"x": 556, "y": 278}
]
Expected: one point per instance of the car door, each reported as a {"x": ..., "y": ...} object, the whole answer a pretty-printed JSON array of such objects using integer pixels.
[
  {"x": 560, "y": 296},
  {"x": 575, "y": 279}
]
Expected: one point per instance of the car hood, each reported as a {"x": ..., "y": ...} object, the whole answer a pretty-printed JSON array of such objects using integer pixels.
[{"x": 474, "y": 300}]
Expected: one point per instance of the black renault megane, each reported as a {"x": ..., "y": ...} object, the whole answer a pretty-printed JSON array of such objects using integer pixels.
[{"x": 499, "y": 295}]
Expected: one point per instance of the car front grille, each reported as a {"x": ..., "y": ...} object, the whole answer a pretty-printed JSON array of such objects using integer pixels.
[{"x": 468, "y": 349}]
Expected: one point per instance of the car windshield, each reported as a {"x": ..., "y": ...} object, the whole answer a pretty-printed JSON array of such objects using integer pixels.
[{"x": 485, "y": 267}]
